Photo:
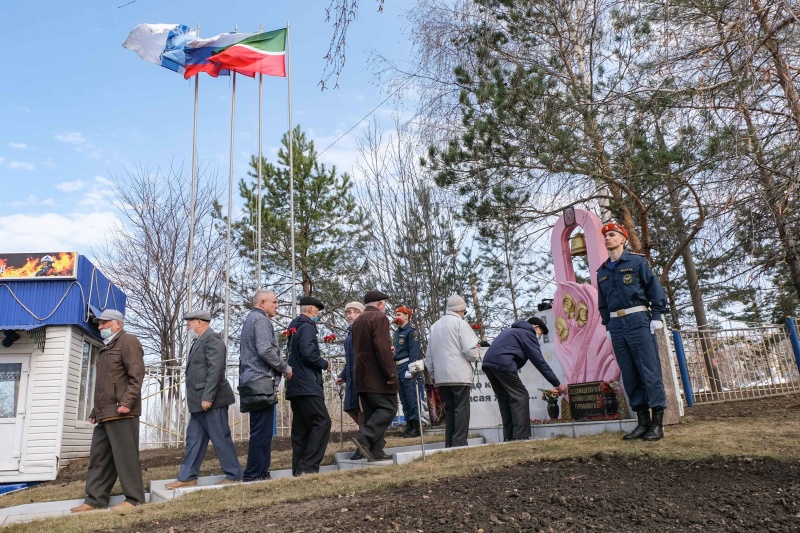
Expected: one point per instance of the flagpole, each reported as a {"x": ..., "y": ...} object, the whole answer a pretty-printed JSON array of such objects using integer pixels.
[
  {"x": 291, "y": 170},
  {"x": 230, "y": 216},
  {"x": 193, "y": 202},
  {"x": 258, "y": 232}
]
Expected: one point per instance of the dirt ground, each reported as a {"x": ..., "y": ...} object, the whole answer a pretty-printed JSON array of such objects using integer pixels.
[{"x": 601, "y": 493}]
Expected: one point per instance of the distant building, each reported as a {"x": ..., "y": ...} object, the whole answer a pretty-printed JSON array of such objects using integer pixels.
[{"x": 47, "y": 359}]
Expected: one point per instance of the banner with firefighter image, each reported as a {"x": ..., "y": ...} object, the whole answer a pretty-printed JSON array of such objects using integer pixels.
[{"x": 46, "y": 265}]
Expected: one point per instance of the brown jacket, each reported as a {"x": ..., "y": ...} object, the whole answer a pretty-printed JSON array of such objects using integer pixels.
[
  {"x": 372, "y": 344},
  {"x": 119, "y": 375}
]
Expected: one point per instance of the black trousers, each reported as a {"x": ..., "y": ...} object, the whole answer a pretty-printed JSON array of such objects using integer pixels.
[
  {"x": 512, "y": 397},
  {"x": 311, "y": 430},
  {"x": 456, "y": 414},
  {"x": 115, "y": 452},
  {"x": 379, "y": 412}
]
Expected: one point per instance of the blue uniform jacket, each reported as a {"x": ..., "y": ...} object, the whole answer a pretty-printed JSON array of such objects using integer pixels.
[
  {"x": 348, "y": 373},
  {"x": 406, "y": 344},
  {"x": 516, "y": 346},
  {"x": 629, "y": 284},
  {"x": 305, "y": 359}
]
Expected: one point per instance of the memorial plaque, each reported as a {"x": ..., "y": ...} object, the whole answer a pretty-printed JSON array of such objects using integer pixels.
[{"x": 586, "y": 401}]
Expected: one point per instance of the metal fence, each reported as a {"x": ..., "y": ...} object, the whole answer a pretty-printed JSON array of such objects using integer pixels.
[
  {"x": 739, "y": 363},
  {"x": 164, "y": 415}
]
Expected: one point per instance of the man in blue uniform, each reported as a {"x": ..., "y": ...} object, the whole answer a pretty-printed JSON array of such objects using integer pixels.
[
  {"x": 631, "y": 302},
  {"x": 406, "y": 350}
]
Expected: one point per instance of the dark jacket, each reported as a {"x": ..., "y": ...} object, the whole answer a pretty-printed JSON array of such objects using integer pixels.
[
  {"x": 348, "y": 374},
  {"x": 305, "y": 359},
  {"x": 406, "y": 344},
  {"x": 375, "y": 369},
  {"x": 630, "y": 283},
  {"x": 119, "y": 374},
  {"x": 205, "y": 373},
  {"x": 516, "y": 346}
]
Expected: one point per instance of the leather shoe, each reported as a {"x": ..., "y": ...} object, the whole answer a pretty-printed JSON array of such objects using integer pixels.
[
  {"x": 82, "y": 508},
  {"x": 362, "y": 448},
  {"x": 381, "y": 456},
  {"x": 180, "y": 484},
  {"x": 227, "y": 481},
  {"x": 124, "y": 505},
  {"x": 356, "y": 456}
]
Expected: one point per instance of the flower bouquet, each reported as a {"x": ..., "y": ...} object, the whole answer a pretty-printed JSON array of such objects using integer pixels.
[
  {"x": 329, "y": 338},
  {"x": 289, "y": 332},
  {"x": 550, "y": 395},
  {"x": 475, "y": 327},
  {"x": 609, "y": 387}
]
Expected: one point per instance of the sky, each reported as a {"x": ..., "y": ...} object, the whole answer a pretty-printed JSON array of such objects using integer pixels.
[{"x": 77, "y": 109}]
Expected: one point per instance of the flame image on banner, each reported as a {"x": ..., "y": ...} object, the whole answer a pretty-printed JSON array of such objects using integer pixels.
[{"x": 43, "y": 265}]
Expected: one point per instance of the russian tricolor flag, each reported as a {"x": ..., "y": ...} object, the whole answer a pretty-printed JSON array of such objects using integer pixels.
[{"x": 152, "y": 41}]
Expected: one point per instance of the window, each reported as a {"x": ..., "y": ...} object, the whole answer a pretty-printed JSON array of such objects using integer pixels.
[
  {"x": 86, "y": 392},
  {"x": 10, "y": 374}
]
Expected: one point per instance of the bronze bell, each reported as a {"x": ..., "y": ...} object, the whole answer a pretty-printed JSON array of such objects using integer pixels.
[{"x": 577, "y": 245}]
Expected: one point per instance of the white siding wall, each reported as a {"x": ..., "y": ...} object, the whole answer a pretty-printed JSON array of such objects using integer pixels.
[
  {"x": 44, "y": 404},
  {"x": 77, "y": 435}
]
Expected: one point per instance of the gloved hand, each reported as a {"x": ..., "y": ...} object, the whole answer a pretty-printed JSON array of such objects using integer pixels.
[
  {"x": 654, "y": 325},
  {"x": 608, "y": 335}
]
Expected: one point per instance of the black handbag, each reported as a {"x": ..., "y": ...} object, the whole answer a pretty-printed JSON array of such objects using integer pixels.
[{"x": 257, "y": 394}]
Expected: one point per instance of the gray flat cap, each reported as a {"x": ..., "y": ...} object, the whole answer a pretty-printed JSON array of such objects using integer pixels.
[
  {"x": 200, "y": 314},
  {"x": 110, "y": 314}
]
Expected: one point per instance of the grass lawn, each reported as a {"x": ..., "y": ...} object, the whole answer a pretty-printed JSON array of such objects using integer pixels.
[{"x": 773, "y": 433}]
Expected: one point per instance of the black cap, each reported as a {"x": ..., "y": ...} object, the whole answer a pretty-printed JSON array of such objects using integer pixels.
[
  {"x": 536, "y": 321},
  {"x": 374, "y": 296},
  {"x": 310, "y": 300}
]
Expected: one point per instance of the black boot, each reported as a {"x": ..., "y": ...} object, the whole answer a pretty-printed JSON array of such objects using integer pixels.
[
  {"x": 412, "y": 432},
  {"x": 656, "y": 431},
  {"x": 642, "y": 427}
]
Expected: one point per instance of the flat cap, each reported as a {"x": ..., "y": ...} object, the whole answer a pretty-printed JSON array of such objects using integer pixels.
[
  {"x": 374, "y": 296},
  {"x": 200, "y": 314},
  {"x": 310, "y": 300},
  {"x": 110, "y": 314},
  {"x": 536, "y": 321}
]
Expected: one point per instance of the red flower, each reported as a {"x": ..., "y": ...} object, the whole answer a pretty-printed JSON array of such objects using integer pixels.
[
  {"x": 289, "y": 332},
  {"x": 476, "y": 327},
  {"x": 329, "y": 338},
  {"x": 398, "y": 321}
]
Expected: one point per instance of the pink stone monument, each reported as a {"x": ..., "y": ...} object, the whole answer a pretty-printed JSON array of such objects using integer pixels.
[{"x": 580, "y": 337}]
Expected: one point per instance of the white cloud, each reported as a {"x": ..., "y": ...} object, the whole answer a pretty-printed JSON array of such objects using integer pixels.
[
  {"x": 76, "y": 231},
  {"x": 71, "y": 137},
  {"x": 71, "y": 186},
  {"x": 20, "y": 165},
  {"x": 2, "y": 159},
  {"x": 103, "y": 181},
  {"x": 18, "y": 146}
]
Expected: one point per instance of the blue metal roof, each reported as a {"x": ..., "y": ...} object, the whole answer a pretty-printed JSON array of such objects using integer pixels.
[{"x": 31, "y": 303}]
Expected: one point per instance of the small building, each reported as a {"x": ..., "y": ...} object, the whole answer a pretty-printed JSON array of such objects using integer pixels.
[{"x": 47, "y": 359}]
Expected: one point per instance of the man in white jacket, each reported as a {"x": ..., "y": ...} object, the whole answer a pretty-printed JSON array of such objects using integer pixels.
[{"x": 452, "y": 348}]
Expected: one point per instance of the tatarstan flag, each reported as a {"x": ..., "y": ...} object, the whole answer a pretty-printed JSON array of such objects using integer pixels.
[{"x": 263, "y": 53}]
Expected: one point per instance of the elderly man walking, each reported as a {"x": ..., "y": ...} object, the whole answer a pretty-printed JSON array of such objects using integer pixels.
[
  {"x": 311, "y": 424},
  {"x": 452, "y": 348},
  {"x": 376, "y": 376},
  {"x": 260, "y": 359},
  {"x": 208, "y": 395},
  {"x": 114, "y": 450}
]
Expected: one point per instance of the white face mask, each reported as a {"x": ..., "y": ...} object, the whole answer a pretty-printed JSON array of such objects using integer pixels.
[{"x": 106, "y": 333}]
